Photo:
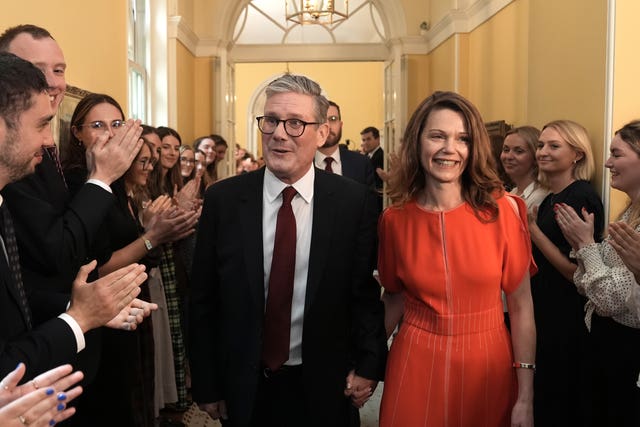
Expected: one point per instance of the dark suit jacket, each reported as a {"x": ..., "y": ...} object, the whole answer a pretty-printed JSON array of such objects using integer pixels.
[
  {"x": 377, "y": 161},
  {"x": 343, "y": 317},
  {"x": 357, "y": 167},
  {"x": 49, "y": 345},
  {"x": 54, "y": 231}
]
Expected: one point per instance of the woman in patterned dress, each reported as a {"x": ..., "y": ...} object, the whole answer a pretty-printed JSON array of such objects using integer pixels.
[
  {"x": 450, "y": 243},
  {"x": 608, "y": 283}
]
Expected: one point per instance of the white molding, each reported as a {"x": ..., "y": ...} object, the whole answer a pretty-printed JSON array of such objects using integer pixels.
[
  {"x": 463, "y": 21},
  {"x": 310, "y": 53},
  {"x": 608, "y": 109}
]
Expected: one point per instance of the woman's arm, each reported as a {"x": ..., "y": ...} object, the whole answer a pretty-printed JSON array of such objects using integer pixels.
[
  {"x": 393, "y": 310},
  {"x": 523, "y": 341},
  {"x": 551, "y": 252}
]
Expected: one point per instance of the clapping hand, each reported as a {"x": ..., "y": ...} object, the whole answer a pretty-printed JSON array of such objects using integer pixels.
[{"x": 40, "y": 402}]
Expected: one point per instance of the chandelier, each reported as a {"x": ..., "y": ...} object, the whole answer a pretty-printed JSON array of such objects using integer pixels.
[{"x": 323, "y": 12}]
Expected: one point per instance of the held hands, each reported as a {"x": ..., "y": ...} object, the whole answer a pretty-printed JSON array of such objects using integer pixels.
[
  {"x": 109, "y": 158},
  {"x": 577, "y": 231},
  {"x": 626, "y": 241},
  {"x": 132, "y": 315},
  {"x": 40, "y": 402},
  {"x": 359, "y": 389},
  {"x": 95, "y": 304},
  {"x": 215, "y": 410}
]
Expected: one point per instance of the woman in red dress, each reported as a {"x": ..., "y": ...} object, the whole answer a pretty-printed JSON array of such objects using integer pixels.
[{"x": 452, "y": 241}]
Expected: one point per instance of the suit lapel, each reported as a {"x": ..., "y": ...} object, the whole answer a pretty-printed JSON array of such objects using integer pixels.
[
  {"x": 7, "y": 277},
  {"x": 323, "y": 221},
  {"x": 251, "y": 224}
]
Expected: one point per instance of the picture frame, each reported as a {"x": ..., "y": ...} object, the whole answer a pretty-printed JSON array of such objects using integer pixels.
[{"x": 61, "y": 124}]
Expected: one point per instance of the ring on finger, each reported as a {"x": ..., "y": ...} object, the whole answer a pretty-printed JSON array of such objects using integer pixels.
[
  {"x": 23, "y": 420},
  {"x": 35, "y": 384},
  {"x": 4, "y": 386}
]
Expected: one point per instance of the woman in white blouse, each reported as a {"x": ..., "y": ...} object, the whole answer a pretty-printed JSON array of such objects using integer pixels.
[
  {"x": 608, "y": 283},
  {"x": 518, "y": 158}
]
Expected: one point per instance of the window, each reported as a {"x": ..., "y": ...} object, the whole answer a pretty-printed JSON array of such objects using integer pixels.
[{"x": 138, "y": 59}]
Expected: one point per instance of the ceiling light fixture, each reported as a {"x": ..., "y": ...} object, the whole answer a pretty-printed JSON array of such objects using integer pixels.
[{"x": 322, "y": 12}]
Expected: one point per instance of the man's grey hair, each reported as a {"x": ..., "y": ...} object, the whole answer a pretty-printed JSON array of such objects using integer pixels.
[{"x": 302, "y": 85}]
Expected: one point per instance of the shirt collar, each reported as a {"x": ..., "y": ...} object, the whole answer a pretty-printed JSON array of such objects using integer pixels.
[
  {"x": 319, "y": 158},
  {"x": 304, "y": 186}
]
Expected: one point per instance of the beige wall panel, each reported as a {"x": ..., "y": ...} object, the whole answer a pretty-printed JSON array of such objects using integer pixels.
[
  {"x": 443, "y": 66},
  {"x": 418, "y": 84},
  {"x": 497, "y": 65},
  {"x": 567, "y": 66},
  {"x": 93, "y": 36}
]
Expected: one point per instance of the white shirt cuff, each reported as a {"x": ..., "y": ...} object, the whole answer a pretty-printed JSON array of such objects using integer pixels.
[
  {"x": 100, "y": 184},
  {"x": 77, "y": 331}
]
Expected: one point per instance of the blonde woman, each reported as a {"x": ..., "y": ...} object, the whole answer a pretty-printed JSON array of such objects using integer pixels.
[{"x": 562, "y": 389}]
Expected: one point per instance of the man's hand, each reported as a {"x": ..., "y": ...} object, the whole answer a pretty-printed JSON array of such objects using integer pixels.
[
  {"x": 132, "y": 315},
  {"x": 215, "y": 410},
  {"x": 95, "y": 304},
  {"x": 359, "y": 389},
  {"x": 109, "y": 158}
]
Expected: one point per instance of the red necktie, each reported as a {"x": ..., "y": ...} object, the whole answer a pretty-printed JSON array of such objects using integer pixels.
[
  {"x": 277, "y": 317},
  {"x": 328, "y": 161}
]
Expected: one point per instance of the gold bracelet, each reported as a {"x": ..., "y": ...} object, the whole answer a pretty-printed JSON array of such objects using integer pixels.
[{"x": 524, "y": 365}]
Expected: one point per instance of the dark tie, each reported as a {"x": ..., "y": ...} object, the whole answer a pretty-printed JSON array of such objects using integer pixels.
[
  {"x": 277, "y": 317},
  {"x": 13, "y": 259},
  {"x": 53, "y": 153},
  {"x": 328, "y": 161}
]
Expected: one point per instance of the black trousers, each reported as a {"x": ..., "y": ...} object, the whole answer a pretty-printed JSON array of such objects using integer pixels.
[{"x": 280, "y": 401}]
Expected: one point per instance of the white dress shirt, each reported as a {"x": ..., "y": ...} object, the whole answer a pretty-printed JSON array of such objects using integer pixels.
[
  {"x": 302, "y": 205},
  {"x": 336, "y": 165}
]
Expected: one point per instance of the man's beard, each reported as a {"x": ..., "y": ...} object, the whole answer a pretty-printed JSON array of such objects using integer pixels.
[
  {"x": 9, "y": 158},
  {"x": 331, "y": 142}
]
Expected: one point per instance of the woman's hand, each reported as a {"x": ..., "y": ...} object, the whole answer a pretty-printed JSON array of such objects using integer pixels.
[
  {"x": 40, "y": 402},
  {"x": 577, "y": 231},
  {"x": 188, "y": 195},
  {"x": 171, "y": 225},
  {"x": 626, "y": 241},
  {"x": 160, "y": 204}
]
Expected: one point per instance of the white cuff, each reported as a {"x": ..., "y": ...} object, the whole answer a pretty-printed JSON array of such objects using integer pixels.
[
  {"x": 77, "y": 331},
  {"x": 100, "y": 184}
]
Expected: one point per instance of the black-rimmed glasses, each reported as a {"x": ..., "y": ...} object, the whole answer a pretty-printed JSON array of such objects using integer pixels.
[
  {"x": 293, "y": 127},
  {"x": 100, "y": 125}
]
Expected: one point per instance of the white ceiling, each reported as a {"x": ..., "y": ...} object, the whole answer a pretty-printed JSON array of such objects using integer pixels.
[{"x": 264, "y": 22}]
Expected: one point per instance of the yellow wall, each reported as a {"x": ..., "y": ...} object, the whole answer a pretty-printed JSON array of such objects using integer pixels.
[
  {"x": 185, "y": 83},
  {"x": 626, "y": 66},
  {"x": 443, "y": 66},
  {"x": 567, "y": 66},
  {"x": 203, "y": 103},
  {"x": 496, "y": 70},
  {"x": 356, "y": 86},
  {"x": 92, "y": 34},
  {"x": 418, "y": 80}
]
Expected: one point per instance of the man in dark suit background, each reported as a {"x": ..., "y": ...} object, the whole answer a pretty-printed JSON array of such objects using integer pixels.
[
  {"x": 372, "y": 149},
  {"x": 331, "y": 350},
  {"x": 25, "y": 115},
  {"x": 343, "y": 161}
]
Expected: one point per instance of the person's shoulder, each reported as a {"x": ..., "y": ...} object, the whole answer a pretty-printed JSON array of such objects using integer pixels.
[
  {"x": 353, "y": 155},
  {"x": 235, "y": 184}
]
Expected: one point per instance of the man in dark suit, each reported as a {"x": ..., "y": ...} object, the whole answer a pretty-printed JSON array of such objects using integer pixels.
[
  {"x": 55, "y": 230},
  {"x": 284, "y": 338},
  {"x": 372, "y": 149},
  {"x": 337, "y": 158},
  {"x": 25, "y": 115}
]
